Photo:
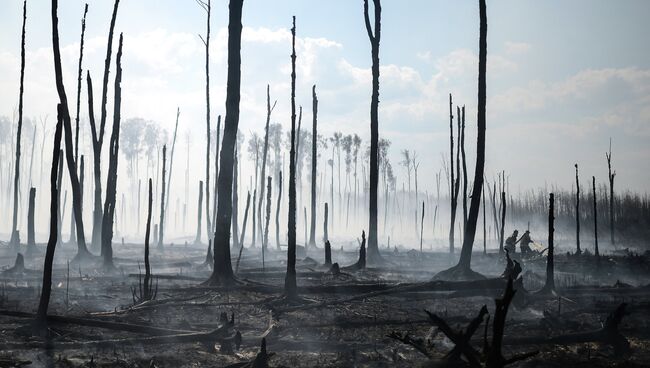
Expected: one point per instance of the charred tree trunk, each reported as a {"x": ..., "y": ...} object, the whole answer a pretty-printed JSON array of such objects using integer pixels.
[
  {"x": 40, "y": 324},
  {"x": 222, "y": 272},
  {"x": 611, "y": 176},
  {"x": 503, "y": 221},
  {"x": 235, "y": 202},
  {"x": 550, "y": 278},
  {"x": 161, "y": 228},
  {"x": 578, "y": 250},
  {"x": 147, "y": 267},
  {"x": 216, "y": 172},
  {"x": 197, "y": 239},
  {"x": 265, "y": 237},
  {"x": 325, "y": 234},
  {"x": 31, "y": 242},
  {"x": 464, "y": 162},
  {"x": 290, "y": 286},
  {"x": 98, "y": 137},
  {"x": 596, "y": 252},
  {"x": 243, "y": 230},
  {"x": 207, "y": 7},
  {"x": 111, "y": 183},
  {"x": 79, "y": 78},
  {"x": 454, "y": 181},
  {"x": 269, "y": 109},
  {"x": 328, "y": 253},
  {"x": 254, "y": 217},
  {"x": 470, "y": 229},
  {"x": 277, "y": 211},
  {"x": 82, "y": 251},
  {"x": 484, "y": 222},
  {"x": 15, "y": 238},
  {"x": 373, "y": 244},
  {"x": 171, "y": 165},
  {"x": 314, "y": 157}
]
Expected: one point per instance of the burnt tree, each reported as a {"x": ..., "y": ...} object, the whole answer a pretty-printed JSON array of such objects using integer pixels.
[
  {"x": 197, "y": 239},
  {"x": 243, "y": 230},
  {"x": 549, "y": 286},
  {"x": 277, "y": 211},
  {"x": 610, "y": 176},
  {"x": 98, "y": 137},
  {"x": 502, "y": 223},
  {"x": 31, "y": 242},
  {"x": 269, "y": 110},
  {"x": 290, "y": 286},
  {"x": 325, "y": 234},
  {"x": 40, "y": 324},
  {"x": 111, "y": 181},
  {"x": 454, "y": 184},
  {"x": 265, "y": 235},
  {"x": 593, "y": 185},
  {"x": 15, "y": 238},
  {"x": 222, "y": 272},
  {"x": 314, "y": 157},
  {"x": 235, "y": 201},
  {"x": 161, "y": 226},
  {"x": 578, "y": 250},
  {"x": 373, "y": 245}
]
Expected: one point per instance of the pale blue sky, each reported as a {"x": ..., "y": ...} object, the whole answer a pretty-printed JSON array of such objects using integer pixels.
[{"x": 563, "y": 76}]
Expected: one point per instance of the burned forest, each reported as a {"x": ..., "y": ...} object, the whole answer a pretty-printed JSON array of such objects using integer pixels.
[{"x": 354, "y": 183}]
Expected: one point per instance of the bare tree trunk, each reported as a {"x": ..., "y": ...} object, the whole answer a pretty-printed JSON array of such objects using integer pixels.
[
  {"x": 373, "y": 247},
  {"x": 40, "y": 324},
  {"x": 147, "y": 267},
  {"x": 611, "y": 176},
  {"x": 111, "y": 183},
  {"x": 15, "y": 238},
  {"x": 208, "y": 225},
  {"x": 197, "y": 239},
  {"x": 31, "y": 242},
  {"x": 464, "y": 162},
  {"x": 596, "y": 253},
  {"x": 277, "y": 211},
  {"x": 290, "y": 286},
  {"x": 422, "y": 227},
  {"x": 470, "y": 229},
  {"x": 235, "y": 201},
  {"x": 161, "y": 228},
  {"x": 314, "y": 157},
  {"x": 269, "y": 109},
  {"x": 265, "y": 238},
  {"x": 453, "y": 192},
  {"x": 254, "y": 217},
  {"x": 171, "y": 162},
  {"x": 484, "y": 230},
  {"x": 550, "y": 280},
  {"x": 222, "y": 272},
  {"x": 325, "y": 217},
  {"x": 503, "y": 221},
  {"x": 243, "y": 230},
  {"x": 578, "y": 250},
  {"x": 216, "y": 172},
  {"x": 98, "y": 137}
]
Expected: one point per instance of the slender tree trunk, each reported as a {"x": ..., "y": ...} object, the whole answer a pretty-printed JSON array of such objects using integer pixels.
[
  {"x": 98, "y": 137},
  {"x": 578, "y": 250},
  {"x": 277, "y": 211},
  {"x": 453, "y": 180},
  {"x": 265, "y": 239},
  {"x": 470, "y": 229},
  {"x": 254, "y": 217},
  {"x": 484, "y": 222},
  {"x": 596, "y": 252},
  {"x": 235, "y": 201},
  {"x": 222, "y": 272},
  {"x": 243, "y": 230},
  {"x": 464, "y": 162},
  {"x": 550, "y": 280},
  {"x": 325, "y": 217},
  {"x": 290, "y": 286},
  {"x": 503, "y": 221},
  {"x": 171, "y": 163},
  {"x": 216, "y": 171},
  {"x": 15, "y": 238},
  {"x": 611, "y": 175},
  {"x": 373, "y": 247},
  {"x": 111, "y": 183},
  {"x": 197, "y": 239},
  {"x": 147, "y": 267},
  {"x": 31, "y": 242},
  {"x": 269, "y": 109},
  {"x": 40, "y": 324},
  {"x": 314, "y": 159},
  {"x": 161, "y": 228},
  {"x": 208, "y": 224},
  {"x": 79, "y": 78}
]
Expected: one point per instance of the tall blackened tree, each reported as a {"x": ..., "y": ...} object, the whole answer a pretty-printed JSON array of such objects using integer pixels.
[
  {"x": 222, "y": 272},
  {"x": 98, "y": 137},
  {"x": 265, "y": 151},
  {"x": 31, "y": 242},
  {"x": 113, "y": 155},
  {"x": 161, "y": 226},
  {"x": 314, "y": 159},
  {"x": 15, "y": 239},
  {"x": 40, "y": 324},
  {"x": 470, "y": 230},
  {"x": 82, "y": 251},
  {"x": 373, "y": 246},
  {"x": 277, "y": 211},
  {"x": 593, "y": 186},
  {"x": 290, "y": 286},
  {"x": 578, "y": 250},
  {"x": 611, "y": 175}
]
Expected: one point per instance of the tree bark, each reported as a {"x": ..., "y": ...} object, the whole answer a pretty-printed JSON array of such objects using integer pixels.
[
  {"x": 222, "y": 273},
  {"x": 503, "y": 221},
  {"x": 111, "y": 182},
  {"x": 265, "y": 238},
  {"x": 470, "y": 229},
  {"x": 31, "y": 242},
  {"x": 147, "y": 267},
  {"x": 161, "y": 228},
  {"x": 277, "y": 211},
  {"x": 314, "y": 157},
  {"x": 373, "y": 247},
  {"x": 206, "y": 42},
  {"x": 15, "y": 238},
  {"x": 235, "y": 201},
  {"x": 98, "y": 137},
  {"x": 550, "y": 279},
  {"x": 216, "y": 172},
  {"x": 325, "y": 217},
  {"x": 40, "y": 324},
  {"x": 596, "y": 252},
  {"x": 269, "y": 109},
  {"x": 290, "y": 286},
  {"x": 611, "y": 175},
  {"x": 578, "y": 250}
]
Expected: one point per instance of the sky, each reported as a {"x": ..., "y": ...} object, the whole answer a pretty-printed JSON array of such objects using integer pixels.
[{"x": 563, "y": 76}]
